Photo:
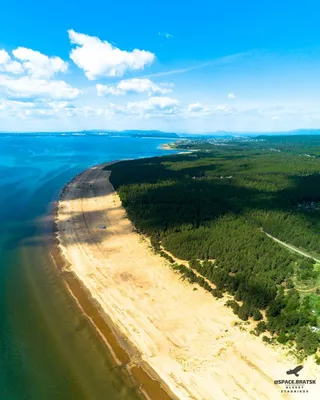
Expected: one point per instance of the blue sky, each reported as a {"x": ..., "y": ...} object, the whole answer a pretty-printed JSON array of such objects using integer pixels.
[{"x": 196, "y": 66}]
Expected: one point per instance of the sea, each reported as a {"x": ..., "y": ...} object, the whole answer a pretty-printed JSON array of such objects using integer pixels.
[{"x": 48, "y": 349}]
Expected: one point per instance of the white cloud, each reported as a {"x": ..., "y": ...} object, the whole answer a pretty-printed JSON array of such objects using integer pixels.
[
  {"x": 105, "y": 90},
  {"x": 100, "y": 58},
  {"x": 49, "y": 109},
  {"x": 7, "y": 65},
  {"x": 14, "y": 104},
  {"x": 36, "y": 72},
  {"x": 134, "y": 85},
  {"x": 154, "y": 106},
  {"x": 39, "y": 65},
  {"x": 32, "y": 62},
  {"x": 196, "y": 107},
  {"x": 13, "y": 67},
  {"x": 28, "y": 87},
  {"x": 198, "y": 110},
  {"x": 231, "y": 96},
  {"x": 4, "y": 57}
]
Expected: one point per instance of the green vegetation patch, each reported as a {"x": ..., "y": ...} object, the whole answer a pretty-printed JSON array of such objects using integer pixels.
[{"x": 216, "y": 204}]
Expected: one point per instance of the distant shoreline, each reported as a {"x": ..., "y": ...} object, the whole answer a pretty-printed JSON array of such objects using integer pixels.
[
  {"x": 172, "y": 147},
  {"x": 168, "y": 146}
]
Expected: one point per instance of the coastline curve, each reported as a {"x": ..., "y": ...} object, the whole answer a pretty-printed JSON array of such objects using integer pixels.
[
  {"x": 123, "y": 354},
  {"x": 176, "y": 342}
]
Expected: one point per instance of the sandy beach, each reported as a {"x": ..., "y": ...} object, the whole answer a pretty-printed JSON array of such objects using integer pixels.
[{"x": 184, "y": 338}]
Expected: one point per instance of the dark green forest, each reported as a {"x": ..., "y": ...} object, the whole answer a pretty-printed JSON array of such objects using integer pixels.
[{"x": 213, "y": 208}]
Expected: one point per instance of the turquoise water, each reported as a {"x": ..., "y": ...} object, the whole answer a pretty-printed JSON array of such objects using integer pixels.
[{"x": 47, "y": 348}]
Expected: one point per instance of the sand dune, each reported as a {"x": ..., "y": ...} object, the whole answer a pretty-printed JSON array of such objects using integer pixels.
[{"x": 185, "y": 336}]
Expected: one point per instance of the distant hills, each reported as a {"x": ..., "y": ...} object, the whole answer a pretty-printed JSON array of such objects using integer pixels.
[
  {"x": 305, "y": 132},
  {"x": 170, "y": 135}
]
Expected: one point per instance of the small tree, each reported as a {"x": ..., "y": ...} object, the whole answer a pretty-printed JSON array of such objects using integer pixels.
[
  {"x": 266, "y": 339},
  {"x": 261, "y": 327},
  {"x": 282, "y": 338},
  {"x": 234, "y": 305},
  {"x": 243, "y": 313},
  {"x": 307, "y": 340},
  {"x": 217, "y": 293},
  {"x": 257, "y": 316}
]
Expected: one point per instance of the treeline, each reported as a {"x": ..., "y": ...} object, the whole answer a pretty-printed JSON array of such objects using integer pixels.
[{"x": 213, "y": 204}]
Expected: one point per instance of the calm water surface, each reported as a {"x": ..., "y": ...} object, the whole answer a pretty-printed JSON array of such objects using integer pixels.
[{"x": 47, "y": 348}]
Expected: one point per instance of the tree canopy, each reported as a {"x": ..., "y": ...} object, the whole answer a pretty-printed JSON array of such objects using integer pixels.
[{"x": 215, "y": 205}]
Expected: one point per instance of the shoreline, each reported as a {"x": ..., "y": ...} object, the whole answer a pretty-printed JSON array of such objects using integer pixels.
[
  {"x": 191, "y": 353},
  {"x": 167, "y": 146},
  {"x": 121, "y": 351},
  {"x": 171, "y": 147}
]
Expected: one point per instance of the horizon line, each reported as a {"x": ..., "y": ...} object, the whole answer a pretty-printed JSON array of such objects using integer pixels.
[{"x": 218, "y": 132}]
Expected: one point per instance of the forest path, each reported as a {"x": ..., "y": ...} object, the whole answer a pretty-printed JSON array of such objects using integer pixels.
[
  {"x": 303, "y": 253},
  {"x": 308, "y": 290},
  {"x": 289, "y": 246}
]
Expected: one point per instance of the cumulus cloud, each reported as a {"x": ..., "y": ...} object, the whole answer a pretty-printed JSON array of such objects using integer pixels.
[
  {"x": 28, "y": 87},
  {"x": 32, "y": 62},
  {"x": 231, "y": 96},
  {"x": 35, "y": 81},
  {"x": 4, "y": 57},
  {"x": 100, "y": 58},
  {"x": 134, "y": 85},
  {"x": 8, "y": 65},
  {"x": 39, "y": 65}
]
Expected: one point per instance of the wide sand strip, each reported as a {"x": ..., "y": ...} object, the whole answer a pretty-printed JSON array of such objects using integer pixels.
[{"x": 185, "y": 336}]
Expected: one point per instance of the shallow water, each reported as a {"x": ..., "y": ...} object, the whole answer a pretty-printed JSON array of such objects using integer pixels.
[{"x": 48, "y": 350}]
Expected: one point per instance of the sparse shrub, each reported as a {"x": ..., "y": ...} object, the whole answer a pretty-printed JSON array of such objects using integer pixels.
[
  {"x": 261, "y": 327},
  {"x": 266, "y": 339},
  {"x": 217, "y": 293}
]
